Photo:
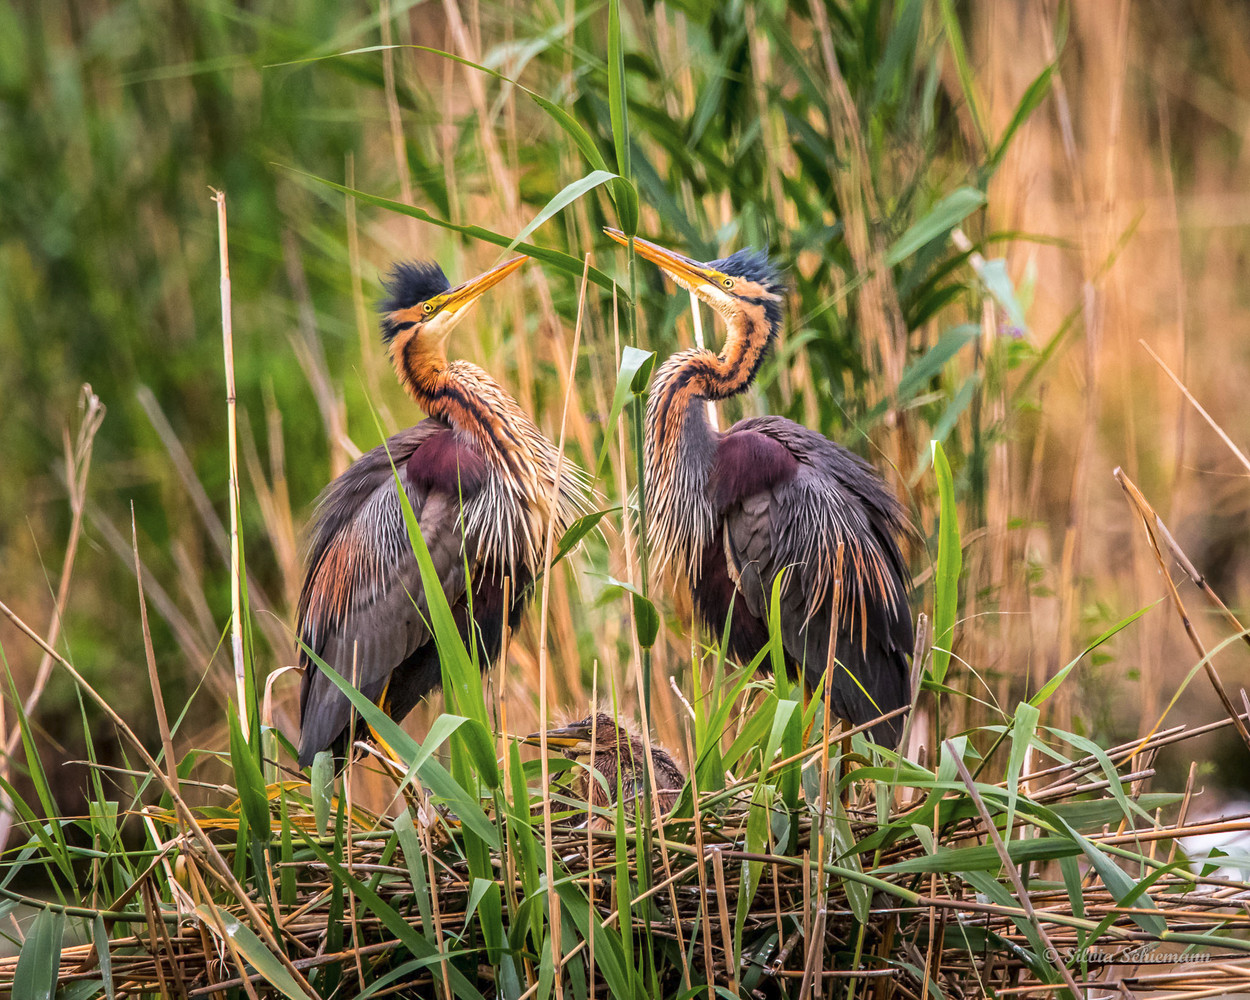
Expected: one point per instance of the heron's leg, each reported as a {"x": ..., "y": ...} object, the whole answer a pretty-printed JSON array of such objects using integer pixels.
[
  {"x": 384, "y": 703},
  {"x": 807, "y": 701}
]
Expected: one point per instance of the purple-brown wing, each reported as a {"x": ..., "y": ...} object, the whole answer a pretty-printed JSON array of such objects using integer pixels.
[
  {"x": 362, "y": 605},
  {"x": 792, "y": 500}
]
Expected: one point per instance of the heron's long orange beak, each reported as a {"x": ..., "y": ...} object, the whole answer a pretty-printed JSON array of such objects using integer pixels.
[
  {"x": 465, "y": 294},
  {"x": 687, "y": 272}
]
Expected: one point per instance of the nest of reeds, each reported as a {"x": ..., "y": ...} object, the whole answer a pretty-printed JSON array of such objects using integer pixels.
[{"x": 838, "y": 864}]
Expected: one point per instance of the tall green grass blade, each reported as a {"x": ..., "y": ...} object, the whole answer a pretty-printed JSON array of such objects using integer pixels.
[
  {"x": 393, "y": 921},
  {"x": 610, "y": 945},
  {"x": 561, "y": 201},
  {"x": 581, "y": 138},
  {"x": 100, "y": 938},
  {"x": 949, "y": 565},
  {"x": 39, "y": 778},
  {"x": 1052, "y": 685},
  {"x": 1123, "y": 888},
  {"x": 618, "y": 104},
  {"x": 417, "y": 757},
  {"x": 249, "y": 782},
  {"x": 413, "y": 858},
  {"x": 1030, "y": 101},
  {"x": 776, "y": 646},
  {"x": 963, "y": 67},
  {"x": 1022, "y": 732},
  {"x": 559, "y": 260}
]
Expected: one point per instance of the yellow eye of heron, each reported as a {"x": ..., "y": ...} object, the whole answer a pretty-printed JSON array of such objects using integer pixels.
[
  {"x": 427, "y": 307},
  {"x": 728, "y": 282}
]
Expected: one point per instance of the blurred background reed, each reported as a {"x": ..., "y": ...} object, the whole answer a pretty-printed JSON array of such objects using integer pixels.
[{"x": 1108, "y": 140}]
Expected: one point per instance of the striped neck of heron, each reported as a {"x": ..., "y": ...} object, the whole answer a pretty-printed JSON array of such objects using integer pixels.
[
  {"x": 458, "y": 392},
  {"x": 510, "y": 514},
  {"x": 681, "y": 444}
]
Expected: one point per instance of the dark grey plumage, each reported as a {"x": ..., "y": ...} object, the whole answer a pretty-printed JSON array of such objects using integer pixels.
[
  {"x": 731, "y": 512},
  {"x": 480, "y": 478},
  {"x": 834, "y": 499}
]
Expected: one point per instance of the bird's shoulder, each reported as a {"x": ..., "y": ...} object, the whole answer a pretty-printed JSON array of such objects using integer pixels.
[
  {"x": 748, "y": 461},
  {"x": 826, "y": 469},
  {"x": 809, "y": 447},
  {"x": 448, "y": 462},
  {"x": 342, "y": 501}
]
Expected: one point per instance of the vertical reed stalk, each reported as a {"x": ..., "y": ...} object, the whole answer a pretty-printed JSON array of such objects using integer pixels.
[{"x": 236, "y": 568}]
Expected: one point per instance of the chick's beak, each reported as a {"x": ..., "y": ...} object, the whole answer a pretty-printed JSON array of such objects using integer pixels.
[
  {"x": 688, "y": 273},
  {"x": 562, "y": 739}
]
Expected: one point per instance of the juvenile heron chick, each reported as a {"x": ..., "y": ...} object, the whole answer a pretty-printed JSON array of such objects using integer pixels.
[{"x": 611, "y": 749}]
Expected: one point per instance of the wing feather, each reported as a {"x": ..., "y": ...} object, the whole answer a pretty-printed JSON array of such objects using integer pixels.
[
  {"x": 362, "y": 605},
  {"x": 832, "y": 525}
]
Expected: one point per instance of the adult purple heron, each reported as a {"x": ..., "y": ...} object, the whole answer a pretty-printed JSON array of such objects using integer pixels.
[
  {"x": 480, "y": 477},
  {"x": 730, "y": 511}
]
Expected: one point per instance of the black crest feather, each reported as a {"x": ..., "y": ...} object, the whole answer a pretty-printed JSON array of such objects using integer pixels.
[
  {"x": 410, "y": 283},
  {"x": 755, "y": 265}
]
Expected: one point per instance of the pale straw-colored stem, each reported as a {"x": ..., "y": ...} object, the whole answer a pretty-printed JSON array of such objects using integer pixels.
[{"x": 236, "y": 584}]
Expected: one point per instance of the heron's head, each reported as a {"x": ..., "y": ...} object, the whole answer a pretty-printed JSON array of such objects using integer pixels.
[
  {"x": 744, "y": 278},
  {"x": 421, "y": 303},
  {"x": 591, "y": 735}
]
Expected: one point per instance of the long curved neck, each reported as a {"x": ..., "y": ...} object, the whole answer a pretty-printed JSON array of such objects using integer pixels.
[
  {"x": 460, "y": 393},
  {"x": 516, "y": 506},
  {"x": 681, "y": 444}
]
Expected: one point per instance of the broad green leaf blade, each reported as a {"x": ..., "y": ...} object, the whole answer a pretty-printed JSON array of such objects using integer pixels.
[
  {"x": 253, "y": 949},
  {"x": 321, "y": 789},
  {"x": 1022, "y": 732},
  {"x": 39, "y": 962},
  {"x": 1034, "y": 94},
  {"x": 414, "y": 860},
  {"x": 942, "y": 218},
  {"x": 646, "y": 617},
  {"x": 393, "y": 921},
  {"x": 1123, "y": 888},
  {"x": 416, "y": 756},
  {"x": 566, "y": 197},
  {"x": 578, "y": 530},
  {"x": 633, "y": 364},
  {"x": 462, "y": 681},
  {"x": 556, "y": 258},
  {"x": 927, "y": 367},
  {"x": 949, "y": 564},
  {"x": 249, "y": 781}
]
